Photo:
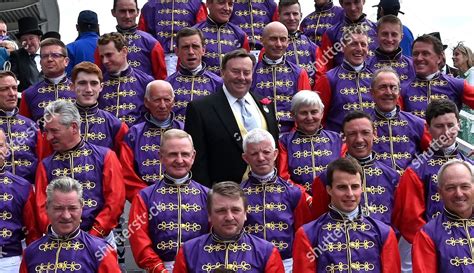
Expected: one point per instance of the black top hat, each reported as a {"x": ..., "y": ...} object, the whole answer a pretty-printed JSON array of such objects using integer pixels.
[
  {"x": 51, "y": 34},
  {"x": 28, "y": 25},
  {"x": 438, "y": 35}
]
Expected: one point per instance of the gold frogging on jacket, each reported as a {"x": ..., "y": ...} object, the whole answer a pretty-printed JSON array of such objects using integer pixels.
[
  {"x": 45, "y": 103},
  {"x": 358, "y": 106},
  {"x": 54, "y": 88},
  {"x": 6, "y": 197},
  {"x": 268, "y": 206},
  {"x": 234, "y": 266},
  {"x": 248, "y": 12},
  {"x": 63, "y": 266},
  {"x": 308, "y": 169},
  {"x": 175, "y": 190},
  {"x": 353, "y": 75},
  {"x": 66, "y": 245},
  {"x": 5, "y": 215},
  {"x": 5, "y": 233},
  {"x": 187, "y": 226}
]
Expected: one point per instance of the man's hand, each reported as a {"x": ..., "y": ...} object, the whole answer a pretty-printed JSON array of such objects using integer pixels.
[{"x": 9, "y": 45}]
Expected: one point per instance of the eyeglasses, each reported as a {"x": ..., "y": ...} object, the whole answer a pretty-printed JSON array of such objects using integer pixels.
[{"x": 52, "y": 55}]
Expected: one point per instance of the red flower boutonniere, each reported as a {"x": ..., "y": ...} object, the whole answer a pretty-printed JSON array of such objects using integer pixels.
[{"x": 265, "y": 101}]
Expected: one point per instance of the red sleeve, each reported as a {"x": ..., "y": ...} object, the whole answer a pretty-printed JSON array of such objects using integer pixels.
[
  {"x": 424, "y": 254},
  {"x": 29, "y": 214},
  {"x": 344, "y": 150},
  {"x": 260, "y": 55},
  {"x": 114, "y": 196},
  {"x": 202, "y": 13},
  {"x": 23, "y": 268},
  {"x": 390, "y": 255},
  {"x": 304, "y": 257},
  {"x": 24, "y": 107},
  {"x": 302, "y": 212},
  {"x": 303, "y": 81},
  {"x": 40, "y": 145},
  {"x": 40, "y": 195},
  {"x": 282, "y": 163},
  {"x": 468, "y": 95},
  {"x": 133, "y": 183},
  {"x": 109, "y": 263},
  {"x": 158, "y": 63},
  {"x": 46, "y": 148},
  {"x": 409, "y": 205},
  {"x": 180, "y": 262},
  {"x": 245, "y": 44},
  {"x": 276, "y": 15},
  {"x": 326, "y": 62},
  {"x": 401, "y": 103},
  {"x": 318, "y": 64},
  {"x": 118, "y": 139},
  {"x": 142, "y": 23},
  {"x": 321, "y": 198},
  {"x": 323, "y": 87},
  {"x": 425, "y": 139},
  {"x": 140, "y": 242},
  {"x": 274, "y": 263},
  {"x": 97, "y": 59}
]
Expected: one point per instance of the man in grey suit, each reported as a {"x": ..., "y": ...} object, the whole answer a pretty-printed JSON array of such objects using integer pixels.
[{"x": 218, "y": 123}]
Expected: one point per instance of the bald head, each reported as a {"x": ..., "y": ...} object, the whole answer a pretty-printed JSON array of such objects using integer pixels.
[
  {"x": 158, "y": 85},
  {"x": 272, "y": 27},
  {"x": 275, "y": 40},
  {"x": 159, "y": 99}
]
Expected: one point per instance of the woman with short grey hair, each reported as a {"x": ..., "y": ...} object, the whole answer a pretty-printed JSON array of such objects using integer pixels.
[{"x": 305, "y": 151}]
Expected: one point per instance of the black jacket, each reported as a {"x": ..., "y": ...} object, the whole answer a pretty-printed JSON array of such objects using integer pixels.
[
  {"x": 217, "y": 138},
  {"x": 24, "y": 68}
]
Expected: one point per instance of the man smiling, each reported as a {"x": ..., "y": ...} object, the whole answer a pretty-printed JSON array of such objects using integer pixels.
[
  {"x": 290, "y": 201},
  {"x": 334, "y": 240},
  {"x": 96, "y": 167},
  {"x": 64, "y": 207},
  {"x": 346, "y": 87},
  {"x": 429, "y": 83},
  {"x": 53, "y": 60},
  {"x": 99, "y": 127},
  {"x": 358, "y": 132},
  {"x": 432, "y": 248},
  {"x": 389, "y": 52},
  {"x": 154, "y": 247},
  {"x": 276, "y": 77},
  {"x": 221, "y": 36}
]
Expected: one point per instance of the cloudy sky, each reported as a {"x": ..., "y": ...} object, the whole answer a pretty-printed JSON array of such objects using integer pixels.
[{"x": 454, "y": 22}]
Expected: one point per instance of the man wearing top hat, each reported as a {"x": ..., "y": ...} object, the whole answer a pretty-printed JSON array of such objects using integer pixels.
[
  {"x": 26, "y": 61},
  {"x": 82, "y": 49},
  {"x": 443, "y": 67}
]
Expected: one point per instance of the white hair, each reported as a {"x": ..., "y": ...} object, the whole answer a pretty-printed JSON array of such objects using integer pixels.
[
  {"x": 257, "y": 135},
  {"x": 306, "y": 98},
  {"x": 451, "y": 162},
  {"x": 160, "y": 82}
]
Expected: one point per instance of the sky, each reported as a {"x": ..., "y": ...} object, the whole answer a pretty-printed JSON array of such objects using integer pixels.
[{"x": 454, "y": 22}]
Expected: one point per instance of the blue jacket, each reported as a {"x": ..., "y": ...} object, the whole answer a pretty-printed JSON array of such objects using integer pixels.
[{"x": 82, "y": 49}]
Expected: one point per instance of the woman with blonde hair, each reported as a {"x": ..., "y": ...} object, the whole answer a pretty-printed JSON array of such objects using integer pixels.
[{"x": 463, "y": 60}]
